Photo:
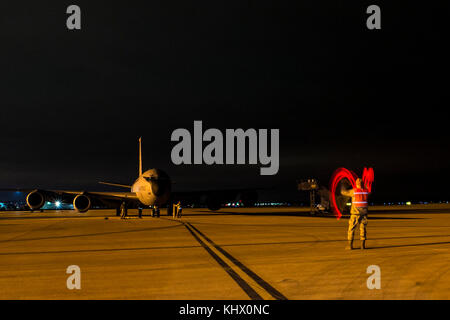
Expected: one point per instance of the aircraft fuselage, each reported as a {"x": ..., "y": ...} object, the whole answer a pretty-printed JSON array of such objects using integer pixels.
[{"x": 152, "y": 188}]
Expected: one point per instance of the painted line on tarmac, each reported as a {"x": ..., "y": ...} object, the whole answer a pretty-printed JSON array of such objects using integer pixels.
[
  {"x": 255, "y": 287},
  {"x": 241, "y": 282}
]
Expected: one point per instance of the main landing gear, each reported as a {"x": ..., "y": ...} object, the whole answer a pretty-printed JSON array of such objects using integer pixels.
[{"x": 155, "y": 212}]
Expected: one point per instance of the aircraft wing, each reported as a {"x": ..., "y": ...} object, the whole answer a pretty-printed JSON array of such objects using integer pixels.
[
  {"x": 130, "y": 196},
  {"x": 109, "y": 199}
]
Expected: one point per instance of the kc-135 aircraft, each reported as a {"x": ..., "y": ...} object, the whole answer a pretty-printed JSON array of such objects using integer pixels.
[{"x": 152, "y": 188}]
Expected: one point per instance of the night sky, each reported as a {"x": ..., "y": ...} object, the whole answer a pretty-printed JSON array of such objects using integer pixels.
[{"x": 73, "y": 103}]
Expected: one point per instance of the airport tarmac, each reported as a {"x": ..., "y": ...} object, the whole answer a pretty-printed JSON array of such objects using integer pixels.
[{"x": 252, "y": 253}]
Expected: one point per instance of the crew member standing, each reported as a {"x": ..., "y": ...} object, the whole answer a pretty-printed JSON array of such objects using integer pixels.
[
  {"x": 179, "y": 209},
  {"x": 123, "y": 210},
  {"x": 358, "y": 213}
]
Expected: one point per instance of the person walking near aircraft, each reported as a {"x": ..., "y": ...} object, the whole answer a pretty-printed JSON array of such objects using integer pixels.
[
  {"x": 358, "y": 213},
  {"x": 179, "y": 209},
  {"x": 123, "y": 210}
]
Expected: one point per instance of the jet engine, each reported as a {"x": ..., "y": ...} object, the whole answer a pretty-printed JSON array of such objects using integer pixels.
[
  {"x": 35, "y": 200},
  {"x": 82, "y": 203},
  {"x": 213, "y": 202}
]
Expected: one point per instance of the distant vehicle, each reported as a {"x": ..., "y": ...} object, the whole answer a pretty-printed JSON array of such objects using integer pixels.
[
  {"x": 152, "y": 189},
  {"x": 314, "y": 188}
]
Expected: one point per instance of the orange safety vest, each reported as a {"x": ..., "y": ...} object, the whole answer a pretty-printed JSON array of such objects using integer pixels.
[{"x": 360, "y": 198}]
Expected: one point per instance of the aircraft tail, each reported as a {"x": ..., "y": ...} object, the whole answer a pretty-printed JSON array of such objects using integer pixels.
[{"x": 140, "y": 156}]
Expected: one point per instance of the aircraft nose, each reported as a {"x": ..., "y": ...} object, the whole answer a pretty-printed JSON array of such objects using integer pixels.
[{"x": 159, "y": 187}]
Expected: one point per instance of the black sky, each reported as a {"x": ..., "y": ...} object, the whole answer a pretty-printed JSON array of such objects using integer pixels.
[{"x": 74, "y": 102}]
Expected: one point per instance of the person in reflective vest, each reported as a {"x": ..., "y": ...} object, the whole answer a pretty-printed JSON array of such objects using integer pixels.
[{"x": 358, "y": 213}]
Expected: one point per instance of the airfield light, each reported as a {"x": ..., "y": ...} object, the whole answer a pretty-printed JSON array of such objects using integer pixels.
[
  {"x": 58, "y": 204},
  {"x": 408, "y": 203}
]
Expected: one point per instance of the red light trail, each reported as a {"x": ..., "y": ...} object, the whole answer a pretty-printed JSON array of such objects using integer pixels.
[{"x": 342, "y": 173}]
